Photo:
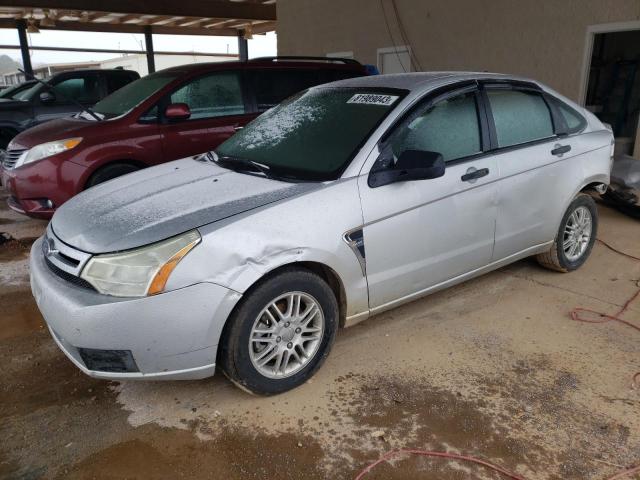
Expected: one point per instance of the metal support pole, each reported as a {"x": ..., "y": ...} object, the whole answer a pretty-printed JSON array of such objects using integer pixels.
[
  {"x": 24, "y": 46},
  {"x": 148, "y": 43},
  {"x": 243, "y": 47}
]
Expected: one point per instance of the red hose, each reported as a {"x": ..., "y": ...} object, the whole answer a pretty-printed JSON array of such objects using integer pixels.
[
  {"x": 577, "y": 314},
  {"x": 467, "y": 458}
]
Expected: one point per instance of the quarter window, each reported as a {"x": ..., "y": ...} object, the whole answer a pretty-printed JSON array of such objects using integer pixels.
[
  {"x": 449, "y": 127},
  {"x": 210, "y": 96},
  {"x": 519, "y": 116},
  {"x": 575, "y": 122}
]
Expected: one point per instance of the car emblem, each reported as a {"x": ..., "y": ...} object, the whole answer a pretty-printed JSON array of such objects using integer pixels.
[{"x": 48, "y": 247}]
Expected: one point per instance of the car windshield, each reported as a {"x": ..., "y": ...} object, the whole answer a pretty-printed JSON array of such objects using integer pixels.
[
  {"x": 313, "y": 135},
  {"x": 128, "y": 97}
]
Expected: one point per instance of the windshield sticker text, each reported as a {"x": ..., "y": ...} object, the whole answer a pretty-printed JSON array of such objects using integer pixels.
[{"x": 373, "y": 99}]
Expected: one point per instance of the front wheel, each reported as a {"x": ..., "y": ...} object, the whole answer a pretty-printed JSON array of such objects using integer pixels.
[
  {"x": 575, "y": 237},
  {"x": 281, "y": 333}
]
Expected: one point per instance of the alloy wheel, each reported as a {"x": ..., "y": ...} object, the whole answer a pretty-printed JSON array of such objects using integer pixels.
[
  {"x": 577, "y": 233},
  {"x": 286, "y": 335}
]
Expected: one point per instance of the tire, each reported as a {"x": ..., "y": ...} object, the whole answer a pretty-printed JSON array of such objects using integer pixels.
[
  {"x": 562, "y": 259},
  {"x": 110, "y": 172},
  {"x": 240, "y": 359}
]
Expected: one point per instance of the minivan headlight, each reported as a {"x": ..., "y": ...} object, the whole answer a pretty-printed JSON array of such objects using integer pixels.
[
  {"x": 139, "y": 272},
  {"x": 48, "y": 149}
]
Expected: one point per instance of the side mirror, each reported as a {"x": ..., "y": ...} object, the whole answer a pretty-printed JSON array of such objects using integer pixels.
[
  {"x": 47, "y": 97},
  {"x": 411, "y": 165},
  {"x": 177, "y": 111}
]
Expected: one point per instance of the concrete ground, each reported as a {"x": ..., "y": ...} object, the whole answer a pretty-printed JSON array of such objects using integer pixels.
[{"x": 493, "y": 368}]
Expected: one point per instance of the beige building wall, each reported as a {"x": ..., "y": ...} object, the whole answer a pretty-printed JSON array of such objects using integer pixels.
[{"x": 544, "y": 39}]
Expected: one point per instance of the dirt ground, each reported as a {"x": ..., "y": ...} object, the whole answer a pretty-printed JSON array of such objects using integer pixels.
[{"x": 493, "y": 368}]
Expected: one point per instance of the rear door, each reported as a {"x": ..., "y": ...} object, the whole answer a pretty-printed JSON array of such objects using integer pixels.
[
  {"x": 87, "y": 88},
  {"x": 218, "y": 108},
  {"x": 537, "y": 157}
]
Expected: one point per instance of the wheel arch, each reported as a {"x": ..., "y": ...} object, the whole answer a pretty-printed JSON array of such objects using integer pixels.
[
  {"x": 125, "y": 161},
  {"x": 328, "y": 274}
]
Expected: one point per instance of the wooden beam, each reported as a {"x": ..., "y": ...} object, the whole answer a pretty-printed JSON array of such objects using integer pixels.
[
  {"x": 127, "y": 28},
  {"x": 186, "y": 8},
  {"x": 114, "y": 50}
]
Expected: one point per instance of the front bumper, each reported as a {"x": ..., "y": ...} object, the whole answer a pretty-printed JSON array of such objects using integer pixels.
[
  {"x": 32, "y": 185},
  {"x": 172, "y": 336}
]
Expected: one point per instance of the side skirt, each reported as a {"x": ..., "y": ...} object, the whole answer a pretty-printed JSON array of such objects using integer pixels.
[{"x": 355, "y": 319}]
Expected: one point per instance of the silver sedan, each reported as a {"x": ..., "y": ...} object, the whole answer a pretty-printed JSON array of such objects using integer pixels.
[{"x": 344, "y": 201}]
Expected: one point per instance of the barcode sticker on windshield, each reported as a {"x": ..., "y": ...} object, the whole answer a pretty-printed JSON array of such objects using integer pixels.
[{"x": 373, "y": 99}]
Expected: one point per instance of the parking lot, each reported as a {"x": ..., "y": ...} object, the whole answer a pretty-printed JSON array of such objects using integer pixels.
[{"x": 493, "y": 368}]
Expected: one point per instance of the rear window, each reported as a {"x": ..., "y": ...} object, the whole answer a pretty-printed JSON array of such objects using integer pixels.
[{"x": 519, "y": 116}]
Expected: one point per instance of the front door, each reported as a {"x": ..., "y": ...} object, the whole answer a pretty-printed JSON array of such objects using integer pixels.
[
  {"x": 418, "y": 234},
  {"x": 217, "y": 109}
]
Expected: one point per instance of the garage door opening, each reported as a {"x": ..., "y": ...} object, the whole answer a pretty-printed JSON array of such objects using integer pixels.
[{"x": 613, "y": 89}]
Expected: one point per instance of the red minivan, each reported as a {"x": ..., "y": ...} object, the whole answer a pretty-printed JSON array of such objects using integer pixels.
[{"x": 170, "y": 114}]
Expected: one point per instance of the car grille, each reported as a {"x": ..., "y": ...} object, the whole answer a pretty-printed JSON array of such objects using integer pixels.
[
  {"x": 11, "y": 158},
  {"x": 69, "y": 277}
]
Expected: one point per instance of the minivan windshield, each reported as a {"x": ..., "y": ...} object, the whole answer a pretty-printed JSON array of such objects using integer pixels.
[
  {"x": 313, "y": 135},
  {"x": 126, "y": 98}
]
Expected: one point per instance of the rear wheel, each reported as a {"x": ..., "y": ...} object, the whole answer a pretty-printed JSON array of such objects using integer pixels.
[
  {"x": 281, "y": 333},
  {"x": 575, "y": 237},
  {"x": 110, "y": 172}
]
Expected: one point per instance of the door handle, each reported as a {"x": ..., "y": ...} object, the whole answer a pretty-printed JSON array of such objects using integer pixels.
[
  {"x": 473, "y": 174},
  {"x": 559, "y": 150},
  {"x": 237, "y": 128}
]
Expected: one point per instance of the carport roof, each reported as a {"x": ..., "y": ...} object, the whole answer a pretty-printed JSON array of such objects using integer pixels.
[{"x": 186, "y": 17}]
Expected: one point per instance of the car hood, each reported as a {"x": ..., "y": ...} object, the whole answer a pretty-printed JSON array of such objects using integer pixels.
[
  {"x": 58, "y": 129},
  {"x": 163, "y": 201}
]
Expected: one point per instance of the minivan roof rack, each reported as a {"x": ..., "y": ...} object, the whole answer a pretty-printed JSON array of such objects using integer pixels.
[{"x": 346, "y": 61}]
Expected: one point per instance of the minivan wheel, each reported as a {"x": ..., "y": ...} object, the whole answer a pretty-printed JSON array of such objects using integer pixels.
[
  {"x": 281, "y": 333},
  {"x": 110, "y": 172},
  {"x": 575, "y": 237}
]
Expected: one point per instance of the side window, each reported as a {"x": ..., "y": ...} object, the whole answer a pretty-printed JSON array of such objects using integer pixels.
[
  {"x": 210, "y": 96},
  {"x": 575, "y": 122},
  {"x": 85, "y": 89},
  {"x": 519, "y": 116},
  {"x": 272, "y": 86},
  {"x": 116, "y": 81},
  {"x": 449, "y": 127},
  {"x": 150, "y": 115}
]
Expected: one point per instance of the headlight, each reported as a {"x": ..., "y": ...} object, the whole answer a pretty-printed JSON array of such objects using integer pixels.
[
  {"x": 139, "y": 272},
  {"x": 48, "y": 149}
]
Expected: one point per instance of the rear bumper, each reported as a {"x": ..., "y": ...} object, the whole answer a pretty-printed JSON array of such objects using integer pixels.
[{"x": 171, "y": 336}]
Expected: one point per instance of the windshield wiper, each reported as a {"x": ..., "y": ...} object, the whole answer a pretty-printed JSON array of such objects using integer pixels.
[
  {"x": 244, "y": 164},
  {"x": 72, "y": 100}
]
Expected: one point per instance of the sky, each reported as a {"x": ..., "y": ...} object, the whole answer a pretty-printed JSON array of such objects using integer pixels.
[{"x": 260, "y": 45}]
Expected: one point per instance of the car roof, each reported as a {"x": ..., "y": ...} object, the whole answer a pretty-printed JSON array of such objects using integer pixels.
[
  {"x": 85, "y": 70},
  {"x": 261, "y": 63},
  {"x": 419, "y": 81}
]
